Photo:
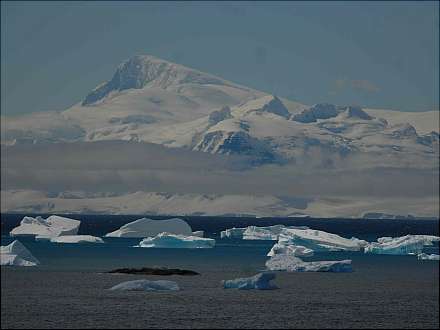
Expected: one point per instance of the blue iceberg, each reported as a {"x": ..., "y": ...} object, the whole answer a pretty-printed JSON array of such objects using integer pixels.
[
  {"x": 146, "y": 285},
  {"x": 260, "y": 282}
]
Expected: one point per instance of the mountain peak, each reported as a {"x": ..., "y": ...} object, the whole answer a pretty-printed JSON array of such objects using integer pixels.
[{"x": 142, "y": 71}]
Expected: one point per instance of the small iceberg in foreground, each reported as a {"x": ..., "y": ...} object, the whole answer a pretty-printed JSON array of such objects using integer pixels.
[
  {"x": 51, "y": 227},
  {"x": 424, "y": 256},
  {"x": 283, "y": 262},
  {"x": 16, "y": 254},
  {"x": 167, "y": 240},
  {"x": 318, "y": 240},
  {"x": 404, "y": 245},
  {"x": 148, "y": 228},
  {"x": 290, "y": 249},
  {"x": 260, "y": 282},
  {"x": 146, "y": 285},
  {"x": 76, "y": 239}
]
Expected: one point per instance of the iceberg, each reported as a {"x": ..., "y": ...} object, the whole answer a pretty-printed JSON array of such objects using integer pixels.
[
  {"x": 167, "y": 240},
  {"x": 198, "y": 233},
  {"x": 16, "y": 254},
  {"x": 409, "y": 244},
  {"x": 232, "y": 233},
  {"x": 290, "y": 249},
  {"x": 318, "y": 240},
  {"x": 76, "y": 239},
  {"x": 147, "y": 228},
  {"x": 260, "y": 282},
  {"x": 284, "y": 262},
  {"x": 146, "y": 285},
  {"x": 50, "y": 227},
  {"x": 269, "y": 233},
  {"x": 424, "y": 256}
]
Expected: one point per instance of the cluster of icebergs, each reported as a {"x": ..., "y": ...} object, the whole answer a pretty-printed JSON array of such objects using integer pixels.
[
  {"x": 170, "y": 233},
  {"x": 292, "y": 243}
]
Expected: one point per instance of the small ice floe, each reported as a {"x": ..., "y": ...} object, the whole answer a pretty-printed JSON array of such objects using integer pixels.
[
  {"x": 289, "y": 263},
  {"x": 409, "y": 244},
  {"x": 76, "y": 239},
  {"x": 51, "y": 227},
  {"x": 424, "y": 256},
  {"x": 269, "y": 233},
  {"x": 290, "y": 249},
  {"x": 146, "y": 285},
  {"x": 318, "y": 240},
  {"x": 260, "y": 282},
  {"x": 16, "y": 254},
  {"x": 167, "y": 240},
  {"x": 148, "y": 228}
]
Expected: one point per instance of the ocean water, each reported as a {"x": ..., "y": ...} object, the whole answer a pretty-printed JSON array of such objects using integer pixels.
[{"x": 69, "y": 289}]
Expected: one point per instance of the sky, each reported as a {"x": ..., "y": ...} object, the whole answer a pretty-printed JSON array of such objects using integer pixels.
[{"x": 373, "y": 54}]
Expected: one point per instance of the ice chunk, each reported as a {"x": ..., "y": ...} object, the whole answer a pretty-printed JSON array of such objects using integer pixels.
[
  {"x": 232, "y": 233},
  {"x": 198, "y": 233},
  {"x": 318, "y": 240},
  {"x": 262, "y": 233},
  {"x": 260, "y": 281},
  {"x": 78, "y": 239},
  {"x": 424, "y": 256},
  {"x": 51, "y": 227},
  {"x": 147, "y": 228},
  {"x": 16, "y": 254},
  {"x": 290, "y": 249},
  {"x": 167, "y": 240},
  {"x": 146, "y": 285},
  {"x": 284, "y": 262},
  {"x": 269, "y": 233},
  {"x": 409, "y": 244}
]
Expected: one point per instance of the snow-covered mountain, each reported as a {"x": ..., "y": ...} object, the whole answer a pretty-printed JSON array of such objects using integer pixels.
[{"x": 150, "y": 100}]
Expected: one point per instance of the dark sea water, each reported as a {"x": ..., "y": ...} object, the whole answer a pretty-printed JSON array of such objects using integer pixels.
[{"x": 69, "y": 288}]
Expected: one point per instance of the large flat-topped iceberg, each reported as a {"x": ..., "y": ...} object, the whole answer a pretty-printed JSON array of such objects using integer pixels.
[
  {"x": 260, "y": 282},
  {"x": 167, "y": 240},
  {"x": 148, "y": 228},
  {"x": 51, "y": 227},
  {"x": 269, "y": 233},
  {"x": 284, "y": 262},
  {"x": 76, "y": 239},
  {"x": 290, "y": 249},
  {"x": 146, "y": 285},
  {"x": 318, "y": 240},
  {"x": 409, "y": 244},
  {"x": 16, "y": 254}
]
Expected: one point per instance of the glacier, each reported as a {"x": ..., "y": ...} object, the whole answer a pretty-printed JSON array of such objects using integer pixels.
[
  {"x": 424, "y": 256},
  {"x": 148, "y": 227},
  {"x": 52, "y": 226},
  {"x": 260, "y": 282},
  {"x": 289, "y": 263},
  {"x": 16, "y": 254},
  {"x": 318, "y": 240},
  {"x": 76, "y": 239},
  {"x": 408, "y": 244},
  {"x": 167, "y": 240},
  {"x": 146, "y": 285}
]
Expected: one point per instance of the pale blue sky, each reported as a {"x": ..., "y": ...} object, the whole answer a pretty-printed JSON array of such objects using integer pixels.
[{"x": 375, "y": 54}]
